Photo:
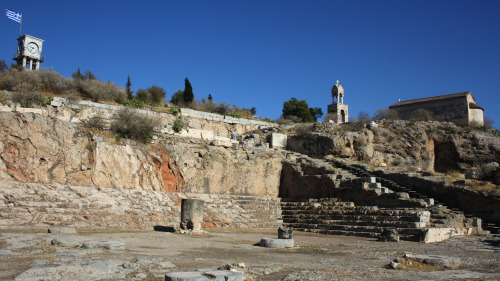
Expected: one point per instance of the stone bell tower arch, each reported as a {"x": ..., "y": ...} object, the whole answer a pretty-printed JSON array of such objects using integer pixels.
[{"x": 339, "y": 110}]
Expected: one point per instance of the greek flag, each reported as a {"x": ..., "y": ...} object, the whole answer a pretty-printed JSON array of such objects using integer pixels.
[{"x": 14, "y": 16}]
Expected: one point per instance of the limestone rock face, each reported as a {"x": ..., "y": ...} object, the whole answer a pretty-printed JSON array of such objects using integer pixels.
[
  {"x": 39, "y": 149},
  {"x": 211, "y": 169}
]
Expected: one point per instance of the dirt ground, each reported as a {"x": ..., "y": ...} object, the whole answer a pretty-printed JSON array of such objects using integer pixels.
[{"x": 148, "y": 255}]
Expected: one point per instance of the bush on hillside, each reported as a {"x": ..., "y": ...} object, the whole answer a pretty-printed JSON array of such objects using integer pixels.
[
  {"x": 31, "y": 99},
  {"x": 22, "y": 81},
  {"x": 129, "y": 124},
  {"x": 178, "y": 124},
  {"x": 96, "y": 122}
]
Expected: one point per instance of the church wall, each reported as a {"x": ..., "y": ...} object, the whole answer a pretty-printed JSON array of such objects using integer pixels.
[
  {"x": 476, "y": 116},
  {"x": 452, "y": 109}
]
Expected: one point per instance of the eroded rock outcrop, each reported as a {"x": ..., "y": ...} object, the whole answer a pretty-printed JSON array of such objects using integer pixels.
[{"x": 431, "y": 146}]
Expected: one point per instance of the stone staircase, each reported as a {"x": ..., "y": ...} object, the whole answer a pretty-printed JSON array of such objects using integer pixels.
[
  {"x": 240, "y": 210},
  {"x": 362, "y": 205},
  {"x": 332, "y": 216}
]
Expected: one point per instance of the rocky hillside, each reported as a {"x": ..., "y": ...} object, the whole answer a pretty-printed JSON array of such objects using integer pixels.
[{"x": 427, "y": 146}]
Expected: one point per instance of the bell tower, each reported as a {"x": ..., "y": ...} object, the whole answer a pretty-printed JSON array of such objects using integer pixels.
[
  {"x": 338, "y": 108},
  {"x": 29, "y": 52}
]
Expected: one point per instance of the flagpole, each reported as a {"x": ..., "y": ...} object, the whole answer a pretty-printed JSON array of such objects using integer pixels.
[{"x": 21, "y": 28}]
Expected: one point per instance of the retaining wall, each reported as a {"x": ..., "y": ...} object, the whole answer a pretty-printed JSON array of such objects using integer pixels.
[{"x": 41, "y": 205}]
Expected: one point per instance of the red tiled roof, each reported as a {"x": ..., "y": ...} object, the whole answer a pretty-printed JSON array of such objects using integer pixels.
[
  {"x": 475, "y": 106},
  {"x": 406, "y": 102}
]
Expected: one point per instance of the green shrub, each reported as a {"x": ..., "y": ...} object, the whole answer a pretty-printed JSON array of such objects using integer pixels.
[
  {"x": 95, "y": 122},
  {"x": 31, "y": 99},
  {"x": 174, "y": 110},
  {"x": 142, "y": 95},
  {"x": 134, "y": 103},
  {"x": 157, "y": 94},
  {"x": 233, "y": 114},
  {"x": 129, "y": 124},
  {"x": 178, "y": 124}
]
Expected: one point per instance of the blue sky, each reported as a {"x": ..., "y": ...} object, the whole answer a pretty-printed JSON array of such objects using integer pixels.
[{"x": 262, "y": 53}]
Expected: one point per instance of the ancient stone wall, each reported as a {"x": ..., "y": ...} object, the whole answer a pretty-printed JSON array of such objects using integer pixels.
[
  {"x": 201, "y": 124},
  {"x": 41, "y": 205}
]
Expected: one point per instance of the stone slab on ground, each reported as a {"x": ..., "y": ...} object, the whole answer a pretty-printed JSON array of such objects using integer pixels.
[
  {"x": 218, "y": 275},
  {"x": 276, "y": 243},
  {"x": 66, "y": 241},
  {"x": 444, "y": 261},
  {"x": 110, "y": 245},
  {"x": 62, "y": 230}
]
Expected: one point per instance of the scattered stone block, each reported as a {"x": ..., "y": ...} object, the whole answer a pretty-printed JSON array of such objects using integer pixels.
[
  {"x": 433, "y": 235},
  {"x": 429, "y": 201},
  {"x": 382, "y": 165},
  {"x": 57, "y": 102},
  {"x": 62, "y": 230},
  {"x": 397, "y": 265},
  {"x": 369, "y": 179},
  {"x": 66, "y": 241},
  {"x": 110, "y": 245},
  {"x": 218, "y": 275},
  {"x": 278, "y": 140},
  {"x": 285, "y": 232},
  {"x": 403, "y": 195},
  {"x": 276, "y": 243},
  {"x": 444, "y": 261},
  {"x": 389, "y": 235},
  {"x": 372, "y": 125}
]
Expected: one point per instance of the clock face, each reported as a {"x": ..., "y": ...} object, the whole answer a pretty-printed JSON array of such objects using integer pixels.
[{"x": 33, "y": 48}]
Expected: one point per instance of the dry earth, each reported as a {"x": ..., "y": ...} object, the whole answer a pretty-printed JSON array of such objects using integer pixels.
[{"x": 148, "y": 255}]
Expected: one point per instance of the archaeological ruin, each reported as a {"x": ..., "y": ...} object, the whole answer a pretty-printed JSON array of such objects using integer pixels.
[{"x": 56, "y": 173}]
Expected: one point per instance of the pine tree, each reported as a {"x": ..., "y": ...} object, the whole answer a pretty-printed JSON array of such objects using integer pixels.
[
  {"x": 77, "y": 75},
  {"x": 188, "y": 92},
  {"x": 129, "y": 91},
  {"x": 210, "y": 97}
]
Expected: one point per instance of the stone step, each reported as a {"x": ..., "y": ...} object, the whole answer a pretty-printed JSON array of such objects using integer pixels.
[
  {"x": 404, "y": 234},
  {"x": 357, "y": 212},
  {"x": 366, "y": 218},
  {"x": 333, "y": 224}
]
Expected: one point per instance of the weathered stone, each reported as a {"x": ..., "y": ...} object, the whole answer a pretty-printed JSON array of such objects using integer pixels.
[
  {"x": 66, "y": 241},
  {"x": 444, "y": 261},
  {"x": 110, "y": 245},
  {"x": 389, "y": 235},
  {"x": 218, "y": 275},
  {"x": 433, "y": 235},
  {"x": 191, "y": 214},
  {"x": 62, "y": 230},
  {"x": 278, "y": 140},
  {"x": 285, "y": 232},
  {"x": 276, "y": 243},
  {"x": 397, "y": 265}
]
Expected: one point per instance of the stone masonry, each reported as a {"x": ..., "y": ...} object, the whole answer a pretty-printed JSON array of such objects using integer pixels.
[{"x": 451, "y": 108}]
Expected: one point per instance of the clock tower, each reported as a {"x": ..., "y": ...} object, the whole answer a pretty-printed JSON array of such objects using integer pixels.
[{"x": 29, "y": 51}]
